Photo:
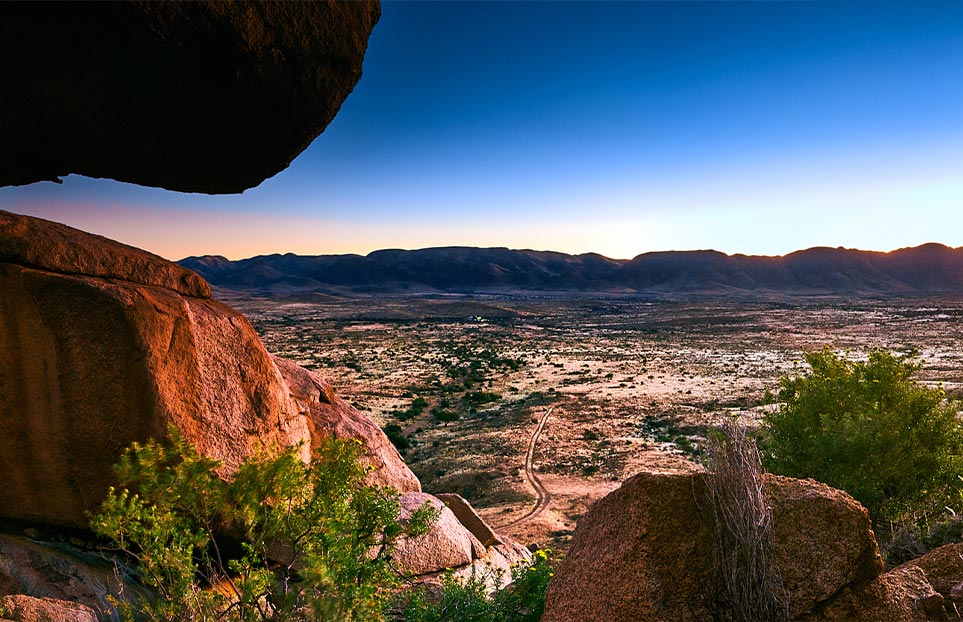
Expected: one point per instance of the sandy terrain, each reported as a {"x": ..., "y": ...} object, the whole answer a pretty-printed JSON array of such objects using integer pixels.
[{"x": 631, "y": 385}]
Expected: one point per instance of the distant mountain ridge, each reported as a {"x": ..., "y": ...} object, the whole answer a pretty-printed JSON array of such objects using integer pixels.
[{"x": 927, "y": 269}]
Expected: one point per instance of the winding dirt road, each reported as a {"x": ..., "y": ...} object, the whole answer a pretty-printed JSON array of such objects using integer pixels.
[{"x": 542, "y": 496}]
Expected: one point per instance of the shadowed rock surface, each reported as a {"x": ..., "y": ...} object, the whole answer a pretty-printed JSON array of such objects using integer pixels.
[
  {"x": 192, "y": 96},
  {"x": 645, "y": 551},
  {"x": 20, "y": 608}
]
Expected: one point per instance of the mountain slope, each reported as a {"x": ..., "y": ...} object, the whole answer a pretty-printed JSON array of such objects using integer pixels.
[{"x": 926, "y": 269}]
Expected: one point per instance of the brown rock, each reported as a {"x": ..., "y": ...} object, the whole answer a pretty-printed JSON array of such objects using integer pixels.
[
  {"x": 645, "y": 551},
  {"x": 468, "y": 517},
  {"x": 901, "y": 595},
  {"x": 640, "y": 553},
  {"x": 191, "y": 96},
  {"x": 88, "y": 365},
  {"x": 45, "y": 245},
  {"x": 327, "y": 414},
  {"x": 943, "y": 568},
  {"x": 447, "y": 545},
  {"x": 20, "y": 608},
  {"x": 824, "y": 540}
]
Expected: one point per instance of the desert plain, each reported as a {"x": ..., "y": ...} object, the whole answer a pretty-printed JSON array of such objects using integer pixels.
[{"x": 533, "y": 407}]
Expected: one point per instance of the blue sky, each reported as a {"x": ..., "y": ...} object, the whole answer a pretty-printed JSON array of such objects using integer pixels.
[{"x": 620, "y": 128}]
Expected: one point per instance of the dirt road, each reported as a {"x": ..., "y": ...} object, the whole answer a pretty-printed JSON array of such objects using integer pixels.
[{"x": 542, "y": 496}]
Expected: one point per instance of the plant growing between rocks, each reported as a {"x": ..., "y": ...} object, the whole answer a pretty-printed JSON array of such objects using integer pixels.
[
  {"x": 309, "y": 542},
  {"x": 468, "y": 599},
  {"x": 750, "y": 586}
]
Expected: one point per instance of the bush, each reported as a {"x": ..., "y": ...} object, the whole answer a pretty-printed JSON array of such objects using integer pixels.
[
  {"x": 308, "y": 541},
  {"x": 868, "y": 428},
  {"x": 467, "y": 600}
]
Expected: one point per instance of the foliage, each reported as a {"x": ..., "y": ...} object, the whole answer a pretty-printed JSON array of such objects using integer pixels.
[
  {"x": 396, "y": 435},
  {"x": 750, "y": 586},
  {"x": 868, "y": 428},
  {"x": 468, "y": 600},
  {"x": 310, "y": 541}
]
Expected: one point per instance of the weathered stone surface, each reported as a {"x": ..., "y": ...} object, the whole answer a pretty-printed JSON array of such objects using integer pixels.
[
  {"x": 468, "y": 517},
  {"x": 58, "y": 570},
  {"x": 641, "y": 553},
  {"x": 447, "y": 545},
  {"x": 901, "y": 595},
  {"x": 88, "y": 365},
  {"x": 943, "y": 568},
  {"x": 45, "y": 245},
  {"x": 496, "y": 565},
  {"x": 645, "y": 551},
  {"x": 20, "y": 608},
  {"x": 824, "y": 540},
  {"x": 191, "y": 96},
  {"x": 329, "y": 415}
]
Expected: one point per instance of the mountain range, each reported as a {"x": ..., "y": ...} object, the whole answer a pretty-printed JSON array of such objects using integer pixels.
[{"x": 926, "y": 269}]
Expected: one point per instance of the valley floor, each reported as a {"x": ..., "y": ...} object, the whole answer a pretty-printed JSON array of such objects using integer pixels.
[{"x": 627, "y": 384}]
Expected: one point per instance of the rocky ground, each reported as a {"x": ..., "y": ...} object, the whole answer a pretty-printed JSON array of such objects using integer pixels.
[{"x": 631, "y": 383}]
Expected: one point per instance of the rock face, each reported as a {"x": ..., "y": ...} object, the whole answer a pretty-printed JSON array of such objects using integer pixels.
[
  {"x": 824, "y": 540},
  {"x": 20, "y": 608},
  {"x": 327, "y": 414},
  {"x": 901, "y": 595},
  {"x": 943, "y": 568},
  {"x": 63, "y": 572},
  {"x": 644, "y": 552},
  {"x": 451, "y": 544},
  {"x": 102, "y": 344},
  {"x": 198, "y": 97}
]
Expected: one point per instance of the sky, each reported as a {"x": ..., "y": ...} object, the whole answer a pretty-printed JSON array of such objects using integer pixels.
[{"x": 618, "y": 128}]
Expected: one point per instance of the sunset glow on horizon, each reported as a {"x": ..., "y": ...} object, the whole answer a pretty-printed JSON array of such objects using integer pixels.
[{"x": 618, "y": 128}]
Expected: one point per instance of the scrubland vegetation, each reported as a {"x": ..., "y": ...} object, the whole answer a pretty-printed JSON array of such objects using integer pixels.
[{"x": 282, "y": 541}]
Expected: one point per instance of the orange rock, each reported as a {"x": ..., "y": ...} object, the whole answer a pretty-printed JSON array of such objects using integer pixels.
[{"x": 329, "y": 415}]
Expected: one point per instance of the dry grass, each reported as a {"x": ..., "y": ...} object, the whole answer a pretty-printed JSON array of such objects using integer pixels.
[{"x": 750, "y": 585}]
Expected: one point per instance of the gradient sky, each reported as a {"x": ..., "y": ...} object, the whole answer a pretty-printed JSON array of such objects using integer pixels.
[{"x": 620, "y": 128}]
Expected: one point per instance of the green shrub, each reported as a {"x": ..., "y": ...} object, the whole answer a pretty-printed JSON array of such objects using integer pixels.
[
  {"x": 396, "y": 435},
  {"x": 468, "y": 600},
  {"x": 308, "y": 542},
  {"x": 868, "y": 428}
]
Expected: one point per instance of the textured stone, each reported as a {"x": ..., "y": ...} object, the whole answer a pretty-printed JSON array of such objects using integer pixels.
[
  {"x": 943, "y": 568},
  {"x": 61, "y": 571},
  {"x": 468, "y": 517},
  {"x": 191, "y": 96},
  {"x": 447, "y": 545},
  {"x": 901, "y": 595},
  {"x": 824, "y": 540},
  {"x": 329, "y": 415},
  {"x": 88, "y": 365},
  {"x": 645, "y": 551},
  {"x": 45, "y": 245},
  {"x": 20, "y": 608}
]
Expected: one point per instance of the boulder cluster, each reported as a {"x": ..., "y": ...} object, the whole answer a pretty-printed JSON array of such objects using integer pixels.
[
  {"x": 101, "y": 345},
  {"x": 646, "y": 552}
]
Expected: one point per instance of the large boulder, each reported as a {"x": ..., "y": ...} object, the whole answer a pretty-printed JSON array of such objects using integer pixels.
[
  {"x": 451, "y": 545},
  {"x": 645, "y": 551},
  {"x": 329, "y": 415},
  {"x": 824, "y": 540},
  {"x": 191, "y": 96}
]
